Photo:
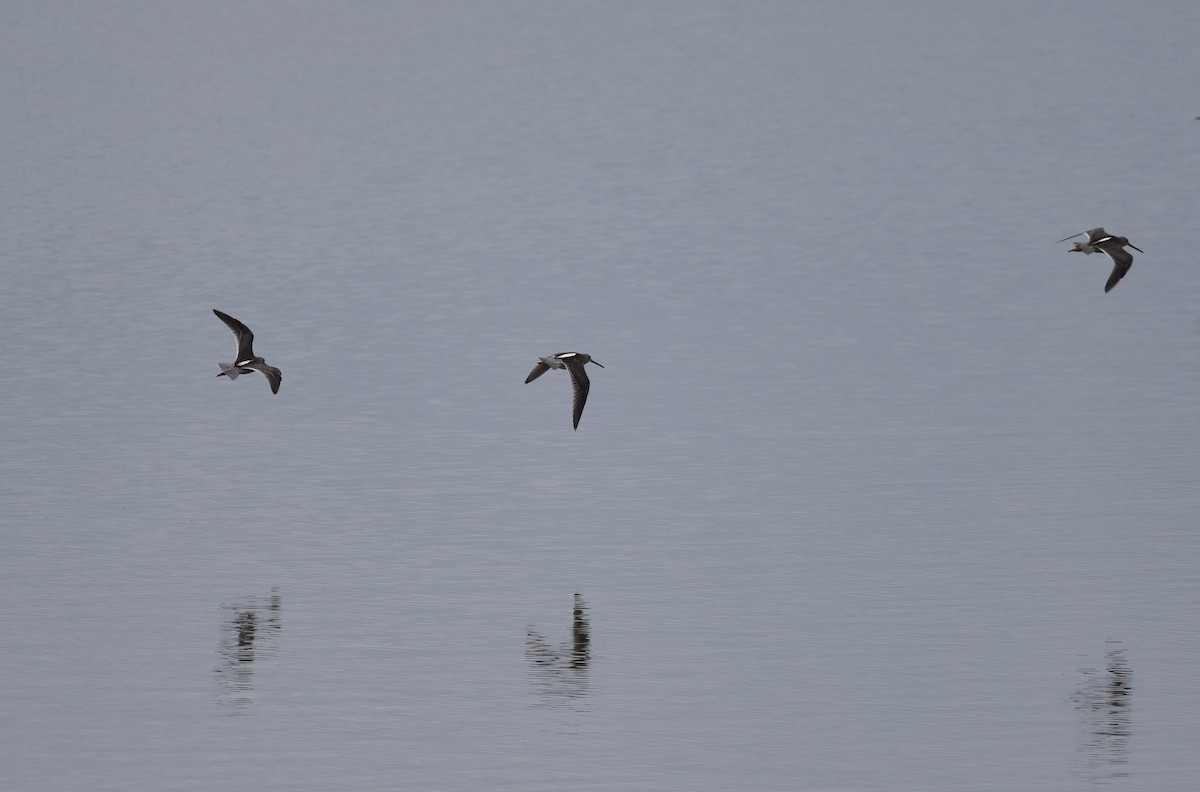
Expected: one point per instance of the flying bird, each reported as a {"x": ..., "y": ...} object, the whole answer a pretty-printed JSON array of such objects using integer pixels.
[
  {"x": 573, "y": 362},
  {"x": 246, "y": 361},
  {"x": 1100, "y": 241}
]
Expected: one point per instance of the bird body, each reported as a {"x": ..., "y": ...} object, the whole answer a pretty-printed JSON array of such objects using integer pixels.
[
  {"x": 246, "y": 361},
  {"x": 1100, "y": 241},
  {"x": 573, "y": 362}
]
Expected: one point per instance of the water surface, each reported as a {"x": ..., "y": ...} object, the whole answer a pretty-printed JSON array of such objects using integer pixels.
[{"x": 877, "y": 488}]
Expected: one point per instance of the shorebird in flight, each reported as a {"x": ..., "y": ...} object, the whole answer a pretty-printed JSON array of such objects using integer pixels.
[
  {"x": 1100, "y": 241},
  {"x": 573, "y": 362},
  {"x": 246, "y": 361}
]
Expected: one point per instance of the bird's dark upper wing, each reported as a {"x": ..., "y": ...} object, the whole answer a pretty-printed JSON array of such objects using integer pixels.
[
  {"x": 581, "y": 385},
  {"x": 274, "y": 376},
  {"x": 245, "y": 339},
  {"x": 1122, "y": 261},
  {"x": 538, "y": 370}
]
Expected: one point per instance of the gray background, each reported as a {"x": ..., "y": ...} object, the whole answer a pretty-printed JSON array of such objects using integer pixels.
[{"x": 878, "y": 489}]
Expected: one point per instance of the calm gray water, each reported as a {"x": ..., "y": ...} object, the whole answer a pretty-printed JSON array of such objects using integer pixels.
[{"x": 877, "y": 488}]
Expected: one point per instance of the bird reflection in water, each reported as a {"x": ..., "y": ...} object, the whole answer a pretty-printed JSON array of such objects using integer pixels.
[
  {"x": 249, "y": 631},
  {"x": 560, "y": 674},
  {"x": 1104, "y": 699}
]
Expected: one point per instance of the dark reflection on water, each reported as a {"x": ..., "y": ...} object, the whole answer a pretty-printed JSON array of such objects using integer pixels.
[
  {"x": 249, "y": 631},
  {"x": 1104, "y": 698},
  {"x": 560, "y": 674}
]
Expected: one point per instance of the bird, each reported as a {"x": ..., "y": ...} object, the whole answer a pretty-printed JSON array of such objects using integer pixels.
[
  {"x": 573, "y": 362},
  {"x": 246, "y": 361},
  {"x": 1100, "y": 241}
]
